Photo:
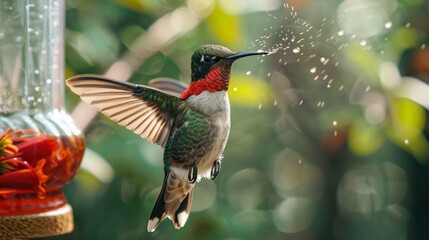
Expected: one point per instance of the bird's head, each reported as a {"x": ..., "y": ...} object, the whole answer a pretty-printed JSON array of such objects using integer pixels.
[{"x": 211, "y": 68}]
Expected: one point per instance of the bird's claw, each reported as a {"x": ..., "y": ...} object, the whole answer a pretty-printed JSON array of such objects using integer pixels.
[
  {"x": 215, "y": 169},
  {"x": 193, "y": 174}
]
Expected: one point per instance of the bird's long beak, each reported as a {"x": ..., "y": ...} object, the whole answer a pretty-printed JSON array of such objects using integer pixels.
[{"x": 245, "y": 54}]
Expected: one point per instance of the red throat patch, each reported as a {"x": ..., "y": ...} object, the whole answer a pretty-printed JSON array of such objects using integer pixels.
[{"x": 216, "y": 80}]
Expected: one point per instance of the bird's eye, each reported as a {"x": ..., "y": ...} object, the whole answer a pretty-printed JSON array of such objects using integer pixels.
[{"x": 208, "y": 59}]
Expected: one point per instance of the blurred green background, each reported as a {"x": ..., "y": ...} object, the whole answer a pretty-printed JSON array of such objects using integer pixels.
[{"x": 328, "y": 136}]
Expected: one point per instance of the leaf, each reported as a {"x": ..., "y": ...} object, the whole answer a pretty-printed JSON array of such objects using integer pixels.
[
  {"x": 225, "y": 27},
  {"x": 249, "y": 91},
  {"x": 364, "y": 138},
  {"x": 407, "y": 114},
  {"x": 407, "y": 123}
]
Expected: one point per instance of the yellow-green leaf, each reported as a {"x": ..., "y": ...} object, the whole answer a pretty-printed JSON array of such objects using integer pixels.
[
  {"x": 248, "y": 90},
  {"x": 225, "y": 27},
  {"x": 407, "y": 114},
  {"x": 405, "y": 130},
  {"x": 364, "y": 138}
]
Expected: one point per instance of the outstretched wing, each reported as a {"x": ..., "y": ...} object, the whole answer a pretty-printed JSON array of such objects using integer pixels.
[{"x": 147, "y": 111}]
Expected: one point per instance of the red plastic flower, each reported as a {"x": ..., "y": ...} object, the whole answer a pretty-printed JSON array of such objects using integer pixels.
[{"x": 22, "y": 160}]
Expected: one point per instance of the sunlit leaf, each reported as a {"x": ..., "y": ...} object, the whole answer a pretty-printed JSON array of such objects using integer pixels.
[
  {"x": 250, "y": 91},
  {"x": 407, "y": 123},
  {"x": 364, "y": 138},
  {"x": 408, "y": 114},
  {"x": 225, "y": 27}
]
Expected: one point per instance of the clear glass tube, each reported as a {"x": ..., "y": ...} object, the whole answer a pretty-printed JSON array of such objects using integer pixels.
[{"x": 31, "y": 55}]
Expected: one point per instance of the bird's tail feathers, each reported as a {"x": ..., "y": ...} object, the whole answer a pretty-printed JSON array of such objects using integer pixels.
[{"x": 174, "y": 201}]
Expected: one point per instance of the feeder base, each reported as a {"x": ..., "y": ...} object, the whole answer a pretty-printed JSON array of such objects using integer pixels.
[{"x": 51, "y": 223}]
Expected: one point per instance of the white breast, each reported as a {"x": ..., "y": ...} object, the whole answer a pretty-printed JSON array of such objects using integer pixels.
[
  {"x": 216, "y": 107},
  {"x": 212, "y": 104}
]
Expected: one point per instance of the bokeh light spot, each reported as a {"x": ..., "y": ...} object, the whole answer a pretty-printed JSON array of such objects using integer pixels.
[
  {"x": 293, "y": 215},
  {"x": 246, "y": 188},
  {"x": 204, "y": 196},
  {"x": 362, "y": 18}
]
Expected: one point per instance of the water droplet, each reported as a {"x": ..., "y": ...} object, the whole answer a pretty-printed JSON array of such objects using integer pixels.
[
  {"x": 406, "y": 141},
  {"x": 322, "y": 59},
  {"x": 299, "y": 161},
  {"x": 234, "y": 89},
  {"x": 341, "y": 33},
  {"x": 321, "y": 104},
  {"x": 388, "y": 24},
  {"x": 260, "y": 106},
  {"x": 296, "y": 50},
  {"x": 272, "y": 51},
  {"x": 408, "y": 25},
  {"x": 248, "y": 72},
  {"x": 334, "y": 123},
  {"x": 275, "y": 102},
  {"x": 335, "y": 133},
  {"x": 313, "y": 70},
  {"x": 36, "y": 72},
  {"x": 363, "y": 43}
]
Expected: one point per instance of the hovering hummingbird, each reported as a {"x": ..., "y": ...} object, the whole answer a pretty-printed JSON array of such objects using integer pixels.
[{"x": 191, "y": 122}]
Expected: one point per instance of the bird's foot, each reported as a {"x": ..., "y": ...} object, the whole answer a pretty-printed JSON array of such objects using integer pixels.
[
  {"x": 193, "y": 174},
  {"x": 215, "y": 169}
]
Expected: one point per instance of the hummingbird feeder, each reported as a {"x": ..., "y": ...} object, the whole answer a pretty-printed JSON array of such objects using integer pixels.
[{"x": 40, "y": 146}]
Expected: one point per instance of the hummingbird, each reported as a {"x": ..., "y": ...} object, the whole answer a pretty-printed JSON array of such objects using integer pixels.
[{"x": 191, "y": 123}]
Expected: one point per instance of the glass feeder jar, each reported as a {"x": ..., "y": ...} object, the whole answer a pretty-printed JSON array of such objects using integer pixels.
[{"x": 40, "y": 146}]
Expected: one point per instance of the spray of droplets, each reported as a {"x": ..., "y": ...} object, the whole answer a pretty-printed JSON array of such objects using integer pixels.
[
  {"x": 294, "y": 40},
  {"x": 318, "y": 48}
]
